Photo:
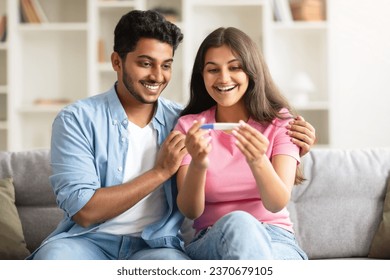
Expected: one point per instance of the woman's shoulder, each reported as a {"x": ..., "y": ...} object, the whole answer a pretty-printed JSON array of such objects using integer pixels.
[
  {"x": 285, "y": 112},
  {"x": 209, "y": 116},
  {"x": 285, "y": 116}
]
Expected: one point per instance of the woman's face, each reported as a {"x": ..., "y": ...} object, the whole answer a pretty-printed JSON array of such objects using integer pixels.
[{"x": 223, "y": 76}]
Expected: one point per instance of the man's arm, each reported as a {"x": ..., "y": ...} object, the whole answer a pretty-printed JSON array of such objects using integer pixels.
[
  {"x": 110, "y": 202},
  {"x": 77, "y": 183}
]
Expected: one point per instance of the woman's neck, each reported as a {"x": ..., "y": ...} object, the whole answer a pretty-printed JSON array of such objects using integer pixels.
[{"x": 231, "y": 114}]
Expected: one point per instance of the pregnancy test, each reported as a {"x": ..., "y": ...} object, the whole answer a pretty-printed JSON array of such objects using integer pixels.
[{"x": 220, "y": 126}]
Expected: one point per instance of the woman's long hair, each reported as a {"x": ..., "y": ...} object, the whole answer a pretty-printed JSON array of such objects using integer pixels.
[{"x": 263, "y": 100}]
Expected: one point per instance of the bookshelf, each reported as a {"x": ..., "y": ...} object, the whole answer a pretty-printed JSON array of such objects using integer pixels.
[
  {"x": 49, "y": 56},
  {"x": 3, "y": 77},
  {"x": 65, "y": 57},
  {"x": 300, "y": 48}
]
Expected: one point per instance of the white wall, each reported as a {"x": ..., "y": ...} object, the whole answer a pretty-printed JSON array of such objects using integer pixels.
[{"x": 360, "y": 48}]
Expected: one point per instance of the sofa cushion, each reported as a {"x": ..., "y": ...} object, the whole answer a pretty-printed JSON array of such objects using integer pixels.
[
  {"x": 12, "y": 243},
  {"x": 380, "y": 246},
  {"x": 337, "y": 210},
  {"x": 35, "y": 199}
]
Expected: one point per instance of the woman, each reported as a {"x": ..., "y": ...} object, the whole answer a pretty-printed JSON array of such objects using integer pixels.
[{"x": 236, "y": 184}]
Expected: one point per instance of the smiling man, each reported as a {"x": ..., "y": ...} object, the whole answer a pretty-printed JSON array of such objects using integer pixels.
[{"x": 113, "y": 156}]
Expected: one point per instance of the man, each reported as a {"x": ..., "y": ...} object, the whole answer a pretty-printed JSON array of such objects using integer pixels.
[
  {"x": 113, "y": 155},
  {"x": 110, "y": 174}
]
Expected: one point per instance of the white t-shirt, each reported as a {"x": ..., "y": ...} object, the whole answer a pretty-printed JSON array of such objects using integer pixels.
[{"x": 141, "y": 157}]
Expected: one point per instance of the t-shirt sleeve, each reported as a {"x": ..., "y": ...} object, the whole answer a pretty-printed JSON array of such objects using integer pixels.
[{"x": 283, "y": 144}]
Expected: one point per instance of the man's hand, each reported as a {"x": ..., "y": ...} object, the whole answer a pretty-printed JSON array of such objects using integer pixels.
[
  {"x": 303, "y": 134},
  {"x": 171, "y": 154}
]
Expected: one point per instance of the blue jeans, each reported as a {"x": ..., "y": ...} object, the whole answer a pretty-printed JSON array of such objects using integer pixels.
[
  {"x": 239, "y": 236},
  {"x": 100, "y": 246}
]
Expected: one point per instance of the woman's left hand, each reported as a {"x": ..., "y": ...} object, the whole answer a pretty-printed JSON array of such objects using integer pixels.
[
  {"x": 303, "y": 134},
  {"x": 251, "y": 142}
]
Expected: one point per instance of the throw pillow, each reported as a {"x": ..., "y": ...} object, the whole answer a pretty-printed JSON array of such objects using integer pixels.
[
  {"x": 380, "y": 245},
  {"x": 12, "y": 243}
]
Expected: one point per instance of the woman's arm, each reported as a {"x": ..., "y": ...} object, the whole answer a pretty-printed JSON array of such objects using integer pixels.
[
  {"x": 274, "y": 180},
  {"x": 191, "y": 178}
]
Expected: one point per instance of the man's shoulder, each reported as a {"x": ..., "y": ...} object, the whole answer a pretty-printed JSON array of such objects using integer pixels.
[
  {"x": 170, "y": 104},
  {"x": 88, "y": 104},
  {"x": 169, "y": 109}
]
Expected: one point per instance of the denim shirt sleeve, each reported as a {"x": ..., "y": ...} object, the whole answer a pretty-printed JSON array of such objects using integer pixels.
[{"x": 74, "y": 178}]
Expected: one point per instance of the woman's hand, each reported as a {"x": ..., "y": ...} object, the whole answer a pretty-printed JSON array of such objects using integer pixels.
[
  {"x": 191, "y": 179},
  {"x": 198, "y": 144},
  {"x": 251, "y": 143},
  {"x": 303, "y": 134}
]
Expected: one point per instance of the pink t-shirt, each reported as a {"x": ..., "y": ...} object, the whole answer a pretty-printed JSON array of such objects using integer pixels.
[{"x": 230, "y": 184}]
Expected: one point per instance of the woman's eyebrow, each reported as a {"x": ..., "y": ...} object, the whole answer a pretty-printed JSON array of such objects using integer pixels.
[{"x": 213, "y": 63}]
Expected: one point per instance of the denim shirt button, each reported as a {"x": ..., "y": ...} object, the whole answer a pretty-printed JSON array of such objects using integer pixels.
[
  {"x": 123, "y": 139},
  {"x": 120, "y": 168}
]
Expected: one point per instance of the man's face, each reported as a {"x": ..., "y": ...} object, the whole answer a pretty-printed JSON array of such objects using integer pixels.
[{"x": 147, "y": 70}]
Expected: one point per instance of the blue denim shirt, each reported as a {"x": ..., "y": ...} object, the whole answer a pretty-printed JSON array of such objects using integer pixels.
[{"x": 88, "y": 151}]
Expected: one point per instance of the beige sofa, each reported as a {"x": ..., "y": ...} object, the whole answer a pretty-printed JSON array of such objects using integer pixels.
[{"x": 336, "y": 211}]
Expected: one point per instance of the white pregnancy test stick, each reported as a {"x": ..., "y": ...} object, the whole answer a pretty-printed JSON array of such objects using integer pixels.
[{"x": 220, "y": 126}]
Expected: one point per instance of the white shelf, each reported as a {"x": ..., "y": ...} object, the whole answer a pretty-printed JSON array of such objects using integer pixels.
[
  {"x": 312, "y": 106},
  {"x": 116, "y": 4},
  {"x": 27, "y": 27},
  {"x": 3, "y": 89},
  {"x": 40, "y": 109},
  {"x": 228, "y": 3},
  {"x": 3, "y": 125},
  {"x": 300, "y": 25},
  {"x": 105, "y": 67}
]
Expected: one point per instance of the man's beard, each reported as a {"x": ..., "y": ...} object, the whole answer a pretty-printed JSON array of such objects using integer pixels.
[{"x": 128, "y": 82}]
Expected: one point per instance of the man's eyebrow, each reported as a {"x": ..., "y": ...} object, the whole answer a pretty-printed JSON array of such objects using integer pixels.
[{"x": 153, "y": 59}]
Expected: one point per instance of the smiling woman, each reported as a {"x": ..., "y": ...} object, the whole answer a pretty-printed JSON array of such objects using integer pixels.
[
  {"x": 237, "y": 216},
  {"x": 224, "y": 78}
]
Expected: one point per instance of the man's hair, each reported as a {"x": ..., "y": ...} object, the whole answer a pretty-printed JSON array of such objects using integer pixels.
[{"x": 138, "y": 24}]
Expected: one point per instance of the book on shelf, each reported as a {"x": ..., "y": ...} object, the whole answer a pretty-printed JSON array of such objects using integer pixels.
[
  {"x": 28, "y": 14},
  {"x": 101, "y": 51},
  {"x": 282, "y": 10},
  {"x": 3, "y": 28},
  {"x": 308, "y": 10},
  {"x": 39, "y": 11},
  {"x": 32, "y": 12},
  {"x": 51, "y": 101}
]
